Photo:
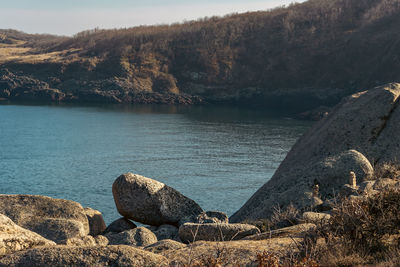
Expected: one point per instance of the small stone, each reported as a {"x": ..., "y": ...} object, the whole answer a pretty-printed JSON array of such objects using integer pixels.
[
  {"x": 120, "y": 225},
  {"x": 96, "y": 221},
  {"x": 139, "y": 236}
]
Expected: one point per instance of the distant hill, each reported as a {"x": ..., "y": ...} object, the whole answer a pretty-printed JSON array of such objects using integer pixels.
[{"x": 296, "y": 57}]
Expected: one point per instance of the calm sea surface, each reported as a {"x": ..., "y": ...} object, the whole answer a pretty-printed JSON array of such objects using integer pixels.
[{"x": 218, "y": 156}]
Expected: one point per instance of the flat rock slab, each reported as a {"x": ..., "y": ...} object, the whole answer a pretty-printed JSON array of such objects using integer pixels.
[
  {"x": 291, "y": 231},
  {"x": 231, "y": 253},
  {"x": 54, "y": 219},
  {"x": 14, "y": 238},
  {"x": 150, "y": 202},
  {"x": 367, "y": 122},
  {"x": 122, "y": 256},
  {"x": 190, "y": 232}
]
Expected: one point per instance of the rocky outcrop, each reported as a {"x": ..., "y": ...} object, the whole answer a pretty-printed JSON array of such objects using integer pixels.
[
  {"x": 120, "y": 225},
  {"x": 123, "y": 256},
  {"x": 190, "y": 232},
  {"x": 140, "y": 237},
  {"x": 54, "y": 219},
  {"x": 362, "y": 127},
  {"x": 14, "y": 238},
  {"x": 165, "y": 245},
  {"x": 96, "y": 221},
  {"x": 151, "y": 202}
]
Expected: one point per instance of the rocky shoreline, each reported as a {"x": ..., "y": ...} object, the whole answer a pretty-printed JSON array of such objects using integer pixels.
[{"x": 333, "y": 166}]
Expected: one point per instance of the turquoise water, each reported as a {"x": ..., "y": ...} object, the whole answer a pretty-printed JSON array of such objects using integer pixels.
[{"x": 218, "y": 156}]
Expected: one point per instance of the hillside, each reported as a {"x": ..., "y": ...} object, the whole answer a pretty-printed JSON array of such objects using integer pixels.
[{"x": 299, "y": 57}]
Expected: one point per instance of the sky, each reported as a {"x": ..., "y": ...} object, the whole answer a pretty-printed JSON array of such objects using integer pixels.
[{"x": 67, "y": 17}]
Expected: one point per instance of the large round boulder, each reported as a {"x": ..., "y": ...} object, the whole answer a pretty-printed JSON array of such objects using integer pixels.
[
  {"x": 363, "y": 127},
  {"x": 123, "y": 256},
  {"x": 54, "y": 219},
  {"x": 151, "y": 202}
]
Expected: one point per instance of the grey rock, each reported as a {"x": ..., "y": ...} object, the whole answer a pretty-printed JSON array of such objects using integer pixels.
[
  {"x": 96, "y": 221},
  {"x": 347, "y": 190},
  {"x": 151, "y": 202},
  {"x": 123, "y": 256},
  {"x": 190, "y": 232},
  {"x": 366, "y": 188},
  {"x": 212, "y": 217},
  {"x": 140, "y": 237},
  {"x": 366, "y": 122},
  {"x": 54, "y": 219},
  {"x": 14, "y": 238},
  {"x": 120, "y": 225},
  {"x": 166, "y": 231}
]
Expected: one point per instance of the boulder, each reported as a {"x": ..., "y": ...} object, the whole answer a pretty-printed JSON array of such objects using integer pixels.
[
  {"x": 212, "y": 217},
  {"x": 315, "y": 217},
  {"x": 165, "y": 231},
  {"x": 54, "y": 219},
  {"x": 362, "y": 127},
  {"x": 140, "y": 237},
  {"x": 14, "y": 238},
  {"x": 297, "y": 231},
  {"x": 190, "y": 232},
  {"x": 123, "y": 256},
  {"x": 165, "y": 245},
  {"x": 151, "y": 202},
  {"x": 96, "y": 221},
  {"x": 87, "y": 241},
  {"x": 120, "y": 225}
]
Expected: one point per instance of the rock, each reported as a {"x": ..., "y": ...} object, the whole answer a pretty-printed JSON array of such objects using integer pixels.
[
  {"x": 363, "y": 126},
  {"x": 14, "y": 238},
  {"x": 54, "y": 219},
  {"x": 190, "y": 232},
  {"x": 206, "y": 217},
  {"x": 316, "y": 218},
  {"x": 120, "y": 225},
  {"x": 151, "y": 202},
  {"x": 96, "y": 221},
  {"x": 166, "y": 231},
  {"x": 122, "y": 256},
  {"x": 366, "y": 188},
  {"x": 386, "y": 183},
  {"x": 347, "y": 190},
  {"x": 86, "y": 241},
  {"x": 165, "y": 245},
  {"x": 140, "y": 237},
  {"x": 292, "y": 231},
  {"x": 230, "y": 253},
  {"x": 212, "y": 217}
]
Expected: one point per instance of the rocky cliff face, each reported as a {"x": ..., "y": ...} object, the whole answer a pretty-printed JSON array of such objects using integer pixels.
[{"x": 359, "y": 131}]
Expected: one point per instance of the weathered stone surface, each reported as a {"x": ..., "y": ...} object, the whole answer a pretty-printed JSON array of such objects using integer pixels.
[
  {"x": 315, "y": 217},
  {"x": 54, "y": 219},
  {"x": 190, "y": 232},
  {"x": 233, "y": 253},
  {"x": 120, "y": 225},
  {"x": 14, "y": 238},
  {"x": 151, "y": 202},
  {"x": 291, "y": 231},
  {"x": 165, "y": 231},
  {"x": 165, "y": 245},
  {"x": 366, "y": 188},
  {"x": 367, "y": 122},
  {"x": 87, "y": 241},
  {"x": 140, "y": 237},
  {"x": 212, "y": 217},
  {"x": 122, "y": 256},
  {"x": 96, "y": 221}
]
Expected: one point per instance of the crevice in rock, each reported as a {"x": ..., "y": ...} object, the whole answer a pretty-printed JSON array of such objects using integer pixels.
[{"x": 377, "y": 131}]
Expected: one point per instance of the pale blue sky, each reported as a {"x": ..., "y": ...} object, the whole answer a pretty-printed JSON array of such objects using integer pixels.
[{"x": 66, "y": 17}]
